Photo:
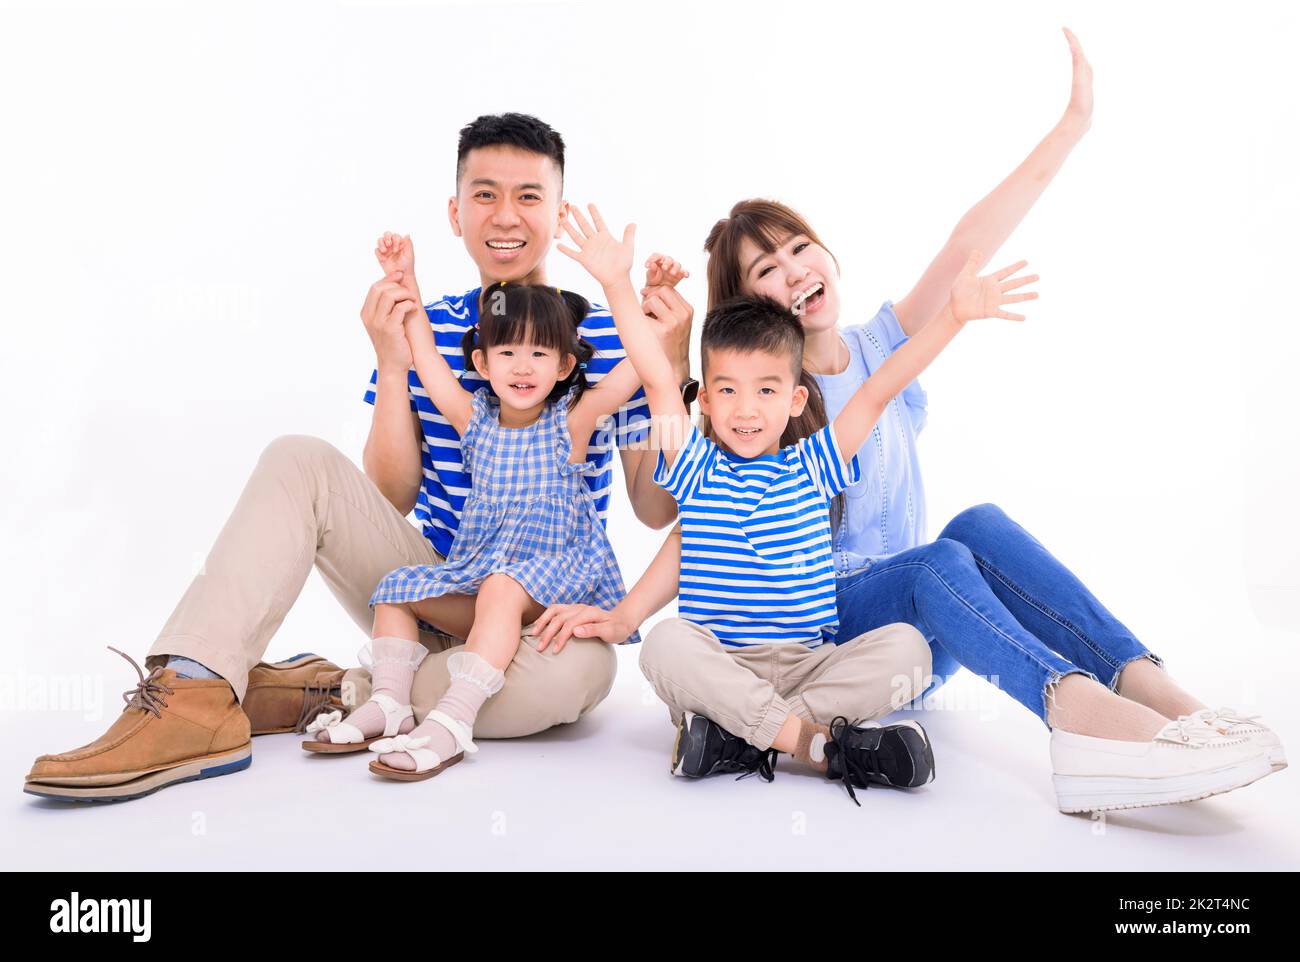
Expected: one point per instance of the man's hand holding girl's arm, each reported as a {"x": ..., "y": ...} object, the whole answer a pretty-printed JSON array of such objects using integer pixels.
[
  {"x": 396, "y": 254},
  {"x": 391, "y": 457}
]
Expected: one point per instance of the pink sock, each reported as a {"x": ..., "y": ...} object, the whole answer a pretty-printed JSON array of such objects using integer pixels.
[
  {"x": 392, "y": 672},
  {"x": 473, "y": 682}
]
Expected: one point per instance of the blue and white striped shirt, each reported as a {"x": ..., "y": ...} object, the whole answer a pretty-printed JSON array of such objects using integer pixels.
[
  {"x": 445, "y": 484},
  {"x": 757, "y": 566}
]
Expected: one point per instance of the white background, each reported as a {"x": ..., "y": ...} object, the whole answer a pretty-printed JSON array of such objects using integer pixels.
[{"x": 191, "y": 194}]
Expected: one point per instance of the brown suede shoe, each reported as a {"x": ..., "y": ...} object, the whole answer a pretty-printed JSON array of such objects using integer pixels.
[
  {"x": 287, "y": 695},
  {"x": 172, "y": 730}
]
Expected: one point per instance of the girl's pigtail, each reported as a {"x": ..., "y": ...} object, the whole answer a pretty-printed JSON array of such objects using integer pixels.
[
  {"x": 578, "y": 308},
  {"x": 468, "y": 344},
  {"x": 585, "y": 352}
]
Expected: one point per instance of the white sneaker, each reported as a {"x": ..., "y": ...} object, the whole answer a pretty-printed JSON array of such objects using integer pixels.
[
  {"x": 1233, "y": 722},
  {"x": 1186, "y": 760}
]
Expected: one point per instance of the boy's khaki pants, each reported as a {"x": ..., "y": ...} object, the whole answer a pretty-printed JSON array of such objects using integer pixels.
[
  {"x": 751, "y": 691},
  {"x": 306, "y": 504}
]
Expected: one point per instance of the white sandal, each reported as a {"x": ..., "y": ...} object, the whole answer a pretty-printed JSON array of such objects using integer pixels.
[
  {"x": 350, "y": 738},
  {"x": 427, "y": 762}
]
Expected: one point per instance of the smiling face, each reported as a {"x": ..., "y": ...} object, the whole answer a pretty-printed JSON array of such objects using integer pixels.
[
  {"x": 508, "y": 209},
  {"x": 522, "y": 375},
  {"x": 749, "y": 397},
  {"x": 799, "y": 274}
]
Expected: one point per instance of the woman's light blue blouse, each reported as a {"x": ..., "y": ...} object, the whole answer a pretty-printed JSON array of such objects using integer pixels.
[{"x": 884, "y": 513}]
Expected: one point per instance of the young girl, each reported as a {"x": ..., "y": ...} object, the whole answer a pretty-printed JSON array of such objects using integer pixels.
[
  {"x": 529, "y": 535},
  {"x": 757, "y": 573}
]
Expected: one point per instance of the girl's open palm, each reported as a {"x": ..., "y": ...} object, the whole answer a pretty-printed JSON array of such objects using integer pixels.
[
  {"x": 605, "y": 258},
  {"x": 974, "y": 297}
]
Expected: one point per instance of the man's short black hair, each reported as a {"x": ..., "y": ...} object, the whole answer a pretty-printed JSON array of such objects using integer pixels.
[
  {"x": 510, "y": 130},
  {"x": 753, "y": 323}
]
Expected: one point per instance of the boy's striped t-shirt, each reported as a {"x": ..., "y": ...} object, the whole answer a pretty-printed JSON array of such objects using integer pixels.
[
  {"x": 446, "y": 484},
  {"x": 757, "y": 565}
]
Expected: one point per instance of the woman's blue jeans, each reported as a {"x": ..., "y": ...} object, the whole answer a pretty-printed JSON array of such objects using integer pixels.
[{"x": 988, "y": 596}]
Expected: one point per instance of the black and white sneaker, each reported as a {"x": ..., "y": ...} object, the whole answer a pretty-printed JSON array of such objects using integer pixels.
[
  {"x": 704, "y": 747},
  {"x": 862, "y": 753}
]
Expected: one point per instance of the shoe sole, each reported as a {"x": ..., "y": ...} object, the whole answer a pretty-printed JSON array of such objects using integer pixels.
[
  {"x": 77, "y": 788},
  {"x": 683, "y": 743},
  {"x": 1086, "y": 793},
  {"x": 927, "y": 753},
  {"x": 402, "y": 775},
  {"x": 343, "y": 748}
]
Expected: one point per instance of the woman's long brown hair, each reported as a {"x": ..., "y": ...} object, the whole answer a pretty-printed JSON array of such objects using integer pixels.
[{"x": 768, "y": 224}]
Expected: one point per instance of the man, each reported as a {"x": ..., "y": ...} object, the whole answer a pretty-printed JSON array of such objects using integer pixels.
[{"x": 306, "y": 504}]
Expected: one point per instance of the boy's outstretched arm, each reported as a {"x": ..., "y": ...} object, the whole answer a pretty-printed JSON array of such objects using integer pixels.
[
  {"x": 653, "y": 506},
  {"x": 988, "y": 224},
  {"x": 971, "y": 297},
  {"x": 653, "y": 590},
  {"x": 672, "y": 316},
  {"x": 609, "y": 261}
]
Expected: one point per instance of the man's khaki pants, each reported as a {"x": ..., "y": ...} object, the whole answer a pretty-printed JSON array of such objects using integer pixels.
[
  {"x": 306, "y": 504},
  {"x": 752, "y": 691}
]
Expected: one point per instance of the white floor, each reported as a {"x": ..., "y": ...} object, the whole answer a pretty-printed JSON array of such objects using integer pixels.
[{"x": 597, "y": 794}]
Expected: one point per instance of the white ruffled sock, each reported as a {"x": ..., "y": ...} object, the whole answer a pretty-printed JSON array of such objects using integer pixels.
[
  {"x": 392, "y": 672},
  {"x": 473, "y": 682}
]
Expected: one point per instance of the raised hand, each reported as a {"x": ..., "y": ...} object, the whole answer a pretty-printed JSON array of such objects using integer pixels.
[
  {"x": 395, "y": 253},
  {"x": 1080, "y": 106},
  {"x": 974, "y": 297},
  {"x": 662, "y": 271},
  {"x": 605, "y": 258}
]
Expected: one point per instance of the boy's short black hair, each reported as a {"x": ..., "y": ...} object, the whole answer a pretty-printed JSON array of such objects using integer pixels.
[
  {"x": 753, "y": 323},
  {"x": 510, "y": 130}
]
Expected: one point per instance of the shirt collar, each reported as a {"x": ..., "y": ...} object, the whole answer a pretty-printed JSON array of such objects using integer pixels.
[
  {"x": 783, "y": 460},
  {"x": 470, "y": 304}
]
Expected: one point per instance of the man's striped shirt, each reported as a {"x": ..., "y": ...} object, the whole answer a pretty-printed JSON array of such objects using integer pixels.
[
  {"x": 757, "y": 566},
  {"x": 445, "y": 484}
]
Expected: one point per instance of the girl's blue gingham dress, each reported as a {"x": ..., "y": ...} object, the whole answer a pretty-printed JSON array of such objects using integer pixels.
[{"x": 528, "y": 515}]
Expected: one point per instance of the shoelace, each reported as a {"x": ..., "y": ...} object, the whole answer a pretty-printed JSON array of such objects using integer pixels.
[
  {"x": 861, "y": 763},
  {"x": 316, "y": 698},
  {"x": 147, "y": 694},
  {"x": 741, "y": 756},
  {"x": 765, "y": 767}
]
